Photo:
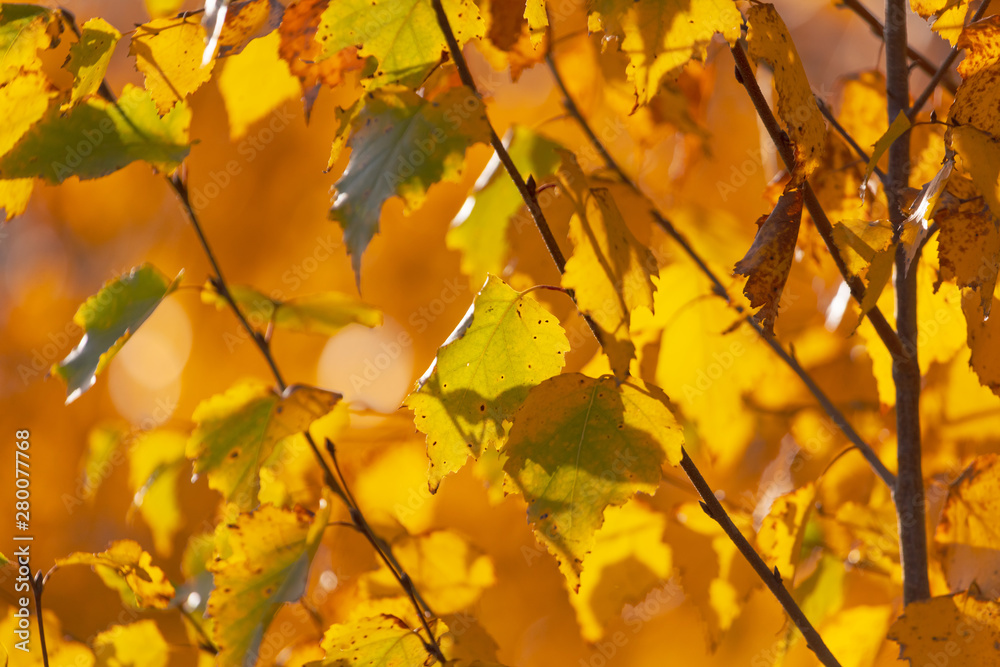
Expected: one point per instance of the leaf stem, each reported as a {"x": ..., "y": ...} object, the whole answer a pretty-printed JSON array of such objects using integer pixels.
[
  {"x": 909, "y": 493},
  {"x": 823, "y": 226},
  {"x": 945, "y": 67},
  {"x": 720, "y": 289},
  {"x": 37, "y": 587}
]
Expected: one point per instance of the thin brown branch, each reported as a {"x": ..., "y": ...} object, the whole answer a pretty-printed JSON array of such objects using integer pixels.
[
  {"x": 945, "y": 67},
  {"x": 823, "y": 226},
  {"x": 842, "y": 131},
  {"x": 37, "y": 588},
  {"x": 813, "y": 639},
  {"x": 909, "y": 495},
  {"x": 339, "y": 488},
  {"x": 772, "y": 579},
  {"x": 921, "y": 60},
  {"x": 720, "y": 289}
]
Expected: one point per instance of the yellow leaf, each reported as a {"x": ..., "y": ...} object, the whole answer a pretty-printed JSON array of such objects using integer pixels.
[
  {"x": 261, "y": 562},
  {"x": 155, "y": 461},
  {"x": 99, "y": 462},
  {"x": 948, "y": 15},
  {"x": 126, "y": 568},
  {"x": 14, "y": 196},
  {"x": 610, "y": 272},
  {"x": 855, "y": 635},
  {"x": 247, "y": 21},
  {"x": 24, "y": 31},
  {"x": 255, "y": 84},
  {"x": 980, "y": 155},
  {"x": 968, "y": 248},
  {"x": 661, "y": 36},
  {"x": 236, "y": 431},
  {"x": 89, "y": 57},
  {"x": 967, "y": 531},
  {"x": 978, "y": 97},
  {"x": 538, "y": 20},
  {"x": 303, "y": 52},
  {"x": 139, "y": 644},
  {"x": 781, "y": 532},
  {"x": 961, "y": 629},
  {"x": 769, "y": 40},
  {"x": 579, "y": 445},
  {"x": 23, "y": 102},
  {"x": 168, "y": 54},
  {"x": 378, "y": 640},
  {"x": 481, "y": 378},
  {"x": 984, "y": 339},
  {"x": 159, "y": 9},
  {"x": 450, "y": 573},
  {"x": 628, "y": 560},
  {"x": 62, "y": 652},
  {"x": 897, "y": 129},
  {"x": 769, "y": 260}
]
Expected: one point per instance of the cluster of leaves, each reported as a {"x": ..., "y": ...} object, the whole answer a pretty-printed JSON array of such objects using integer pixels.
[{"x": 588, "y": 450}]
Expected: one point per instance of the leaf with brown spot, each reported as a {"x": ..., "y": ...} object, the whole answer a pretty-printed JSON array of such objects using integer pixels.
[
  {"x": 984, "y": 341},
  {"x": 769, "y": 260},
  {"x": 964, "y": 626},
  {"x": 245, "y": 22},
  {"x": 303, "y": 53}
]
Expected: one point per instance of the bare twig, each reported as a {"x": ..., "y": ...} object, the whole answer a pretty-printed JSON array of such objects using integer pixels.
[
  {"x": 720, "y": 289},
  {"x": 909, "y": 493},
  {"x": 813, "y": 639},
  {"x": 842, "y": 131},
  {"x": 922, "y": 61},
  {"x": 37, "y": 588},
  {"x": 784, "y": 145}
]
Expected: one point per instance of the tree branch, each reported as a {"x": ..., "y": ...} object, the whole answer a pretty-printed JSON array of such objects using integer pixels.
[
  {"x": 340, "y": 488},
  {"x": 784, "y": 145},
  {"x": 921, "y": 61},
  {"x": 909, "y": 494},
  {"x": 720, "y": 289},
  {"x": 842, "y": 131},
  {"x": 812, "y": 637}
]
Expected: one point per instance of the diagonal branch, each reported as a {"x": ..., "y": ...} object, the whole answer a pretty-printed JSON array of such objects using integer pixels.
[
  {"x": 711, "y": 503},
  {"x": 945, "y": 67},
  {"x": 784, "y": 145},
  {"x": 921, "y": 60},
  {"x": 842, "y": 131},
  {"x": 720, "y": 289},
  {"x": 339, "y": 488}
]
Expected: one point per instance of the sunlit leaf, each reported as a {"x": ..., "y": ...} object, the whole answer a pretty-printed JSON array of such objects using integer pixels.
[
  {"x": 980, "y": 155},
  {"x": 139, "y": 644},
  {"x": 96, "y": 138},
  {"x": 89, "y": 57},
  {"x": 379, "y": 640},
  {"x": 126, "y": 568},
  {"x": 977, "y": 97},
  {"x": 967, "y": 531},
  {"x": 303, "y": 52},
  {"x": 325, "y": 313},
  {"x": 948, "y": 15},
  {"x": 898, "y": 127},
  {"x": 62, "y": 651},
  {"x": 769, "y": 259},
  {"x": 629, "y": 559},
  {"x": 254, "y": 86},
  {"x": 579, "y": 445},
  {"x": 236, "y": 431},
  {"x": 965, "y": 626},
  {"x": 401, "y": 143},
  {"x": 402, "y": 35},
  {"x": 610, "y": 272},
  {"x": 168, "y": 54},
  {"x": 482, "y": 236},
  {"x": 661, "y": 36},
  {"x": 450, "y": 573},
  {"x": 537, "y": 18},
  {"x": 483, "y": 377},
  {"x": 109, "y": 319},
  {"x": 768, "y": 40},
  {"x": 983, "y": 337},
  {"x": 247, "y": 21},
  {"x": 155, "y": 462},
  {"x": 24, "y": 31},
  {"x": 265, "y": 562},
  {"x": 780, "y": 536},
  {"x": 968, "y": 248}
]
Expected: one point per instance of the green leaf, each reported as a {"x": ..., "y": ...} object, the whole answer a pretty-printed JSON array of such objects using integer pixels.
[
  {"x": 24, "y": 30},
  {"x": 96, "y": 138},
  {"x": 483, "y": 377},
  {"x": 89, "y": 57},
  {"x": 236, "y": 431},
  {"x": 126, "y": 568},
  {"x": 261, "y": 561},
  {"x": 482, "y": 237},
  {"x": 324, "y": 314},
  {"x": 378, "y": 640},
  {"x": 402, "y": 35},
  {"x": 401, "y": 144},
  {"x": 108, "y": 319},
  {"x": 580, "y": 444}
]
